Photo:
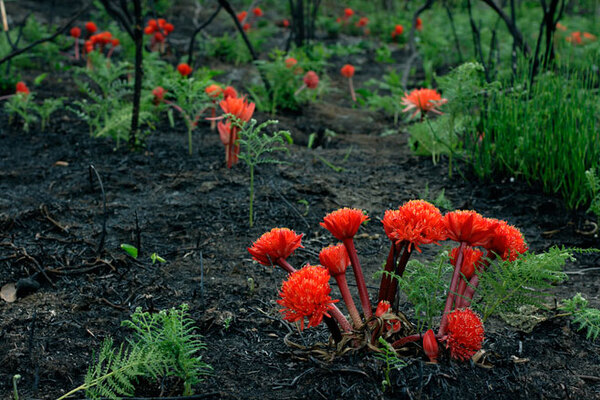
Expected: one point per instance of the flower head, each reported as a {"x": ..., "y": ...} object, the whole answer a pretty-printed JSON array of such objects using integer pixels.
[
  {"x": 335, "y": 259},
  {"x": 465, "y": 333},
  {"x": 75, "y": 32},
  {"x": 239, "y": 107},
  {"x": 228, "y": 92},
  {"x": 276, "y": 244},
  {"x": 290, "y": 62},
  {"x": 398, "y": 30},
  {"x": 285, "y": 23},
  {"x": 416, "y": 221},
  {"x": 311, "y": 80},
  {"x": 507, "y": 241},
  {"x": 347, "y": 71},
  {"x": 246, "y": 27},
  {"x": 306, "y": 295},
  {"x": 471, "y": 260},
  {"x": 383, "y": 307},
  {"x": 159, "y": 37},
  {"x": 159, "y": 94},
  {"x": 589, "y": 36},
  {"x": 213, "y": 91},
  {"x": 91, "y": 27},
  {"x": 430, "y": 346},
  {"x": 115, "y": 42},
  {"x": 574, "y": 38},
  {"x": 184, "y": 69},
  {"x": 469, "y": 227},
  {"x": 241, "y": 16},
  {"x": 362, "y": 22},
  {"x": 344, "y": 223},
  {"x": 419, "y": 24},
  {"x": 423, "y": 100},
  {"x": 257, "y": 11},
  {"x": 22, "y": 88},
  {"x": 560, "y": 27},
  {"x": 348, "y": 12}
]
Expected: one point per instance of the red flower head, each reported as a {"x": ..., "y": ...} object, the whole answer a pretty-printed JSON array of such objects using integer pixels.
[
  {"x": 335, "y": 259},
  {"x": 241, "y": 16},
  {"x": 348, "y": 12},
  {"x": 423, "y": 100},
  {"x": 168, "y": 28},
  {"x": 22, "y": 88},
  {"x": 347, "y": 71},
  {"x": 574, "y": 38},
  {"x": 159, "y": 94},
  {"x": 184, "y": 69},
  {"x": 465, "y": 333},
  {"x": 246, "y": 27},
  {"x": 239, "y": 107},
  {"x": 91, "y": 27},
  {"x": 115, "y": 42},
  {"x": 161, "y": 23},
  {"x": 362, "y": 22},
  {"x": 430, "y": 346},
  {"x": 344, "y": 223},
  {"x": 419, "y": 24},
  {"x": 507, "y": 241},
  {"x": 88, "y": 46},
  {"x": 417, "y": 222},
  {"x": 273, "y": 245},
  {"x": 383, "y": 307},
  {"x": 151, "y": 27},
  {"x": 290, "y": 62},
  {"x": 398, "y": 30},
  {"x": 311, "y": 80},
  {"x": 159, "y": 37},
  {"x": 306, "y": 294},
  {"x": 589, "y": 36},
  {"x": 560, "y": 27},
  {"x": 471, "y": 260},
  {"x": 213, "y": 91},
  {"x": 224, "y": 132},
  {"x": 470, "y": 227},
  {"x": 148, "y": 30},
  {"x": 75, "y": 32},
  {"x": 285, "y": 23},
  {"x": 229, "y": 92},
  {"x": 257, "y": 12}
]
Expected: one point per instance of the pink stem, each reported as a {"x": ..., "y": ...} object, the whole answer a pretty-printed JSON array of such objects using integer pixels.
[
  {"x": 345, "y": 291},
  {"x": 460, "y": 292},
  {"x": 360, "y": 278},
  {"x": 352, "y": 89},
  {"x": 339, "y": 317},
  {"x": 386, "y": 278},
  {"x": 213, "y": 122},
  {"x": 407, "y": 339},
  {"x": 285, "y": 265},
  {"x": 470, "y": 291},
  {"x": 400, "y": 267},
  {"x": 301, "y": 88},
  {"x": 452, "y": 291},
  {"x": 76, "y": 49}
]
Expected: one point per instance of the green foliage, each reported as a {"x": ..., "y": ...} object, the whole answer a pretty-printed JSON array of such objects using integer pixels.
[
  {"x": 505, "y": 286},
  {"x": 424, "y": 287},
  {"x": 585, "y": 317},
  {"x": 129, "y": 249},
  {"x": 23, "y": 105},
  {"x": 47, "y": 108},
  {"x": 437, "y": 136},
  {"x": 440, "y": 201},
  {"x": 391, "y": 102},
  {"x": 284, "y": 82},
  {"x": 593, "y": 181},
  {"x": 391, "y": 361}
]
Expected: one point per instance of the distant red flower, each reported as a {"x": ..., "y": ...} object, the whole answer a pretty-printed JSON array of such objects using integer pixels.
[
  {"x": 398, "y": 30},
  {"x": 75, "y": 32},
  {"x": 306, "y": 295},
  {"x": 423, "y": 100},
  {"x": 22, "y": 88},
  {"x": 213, "y": 91},
  {"x": 465, "y": 334},
  {"x": 184, "y": 69},
  {"x": 419, "y": 24},
  {"x": 574, "y": 38},
  {"x": 362, "y": 22},
  {"x": 115, "y": 42},
  {"x": 430, "y": 346},
  {"x": 469, "y": 227},
  {"x": 507, "y": 241},
  {"x": 161, "y": 23},
  {"x": 91, "y": 27},
  {"x": 159, "y": 94},
  {"x": 347, "y": 71},
  {"x": 159, "y": 37},
  {"x": 290, "y": 62},
  {"x": 88, "y": 46},
  {"x": 348, "y": 12},
  {"x": 338, "y": 20},
  {"x": 279, "y": 243},
  {"x": 560, "y": 27},
  {"x": 416, "y": 221},
  {"x": 471, "y": 260},
  {"x": 257, "y": 11},
  {"x": 335, "y": 259},
  {"x": 168, "y": 28},
  {"x": 246, "y": 27},
  {"x": 311, "y": 80},
  {"x": 239, "y": 107},
  {"x": 241, "y": 16},
  {"x": 589, "y": 36},
  {"x": 148, "y": 30},
  {"x": 344, "y": 223},
  {"x": 229, "y": 92},
  {"x": 383, "y": 307},
  {"x": 285, "y": 23}
]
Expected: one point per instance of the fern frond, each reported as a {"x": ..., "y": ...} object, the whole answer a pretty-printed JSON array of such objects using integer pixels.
[{"x": 583, "y": 316}]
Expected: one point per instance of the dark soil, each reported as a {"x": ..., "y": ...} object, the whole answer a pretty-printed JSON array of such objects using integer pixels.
[{"x": 193, "y": 211}]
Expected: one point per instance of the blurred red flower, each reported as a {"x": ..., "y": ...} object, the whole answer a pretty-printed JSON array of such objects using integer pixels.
[
  {"x": 22, "y": 88},
  {"x": 91, "y": 27},
  {"x": 423, "y": 100},
  {"x": 347, "y": 71},
  {"x": 257, "y": 11},
  {"x": 311, "y": 80},
  {"x": 279, "y": 243},
  {"x": 184, "y": 69},
  {"x": 75, "y": 32},
  {"x": 344, "y": 223}
]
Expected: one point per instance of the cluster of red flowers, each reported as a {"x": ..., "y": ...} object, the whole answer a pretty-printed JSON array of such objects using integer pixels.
[
  {"x": 576, "y": 38},
  {"x": 398, "y": 30},
  {"x": 256, "y": 12},
  {"x": 184, "y": 69},
  {"x": 22, "y": 88},
  {"x": 159, "y": 28}
]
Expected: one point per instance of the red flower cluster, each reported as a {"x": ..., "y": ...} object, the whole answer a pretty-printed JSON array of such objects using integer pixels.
[
  {"x": 465, "y": 334},
  {"x": 213, "y": 91},
  {"x": 91, "y": 27},
  {"x": 306, "y": 295},
  {"x": 100, "y": 40},
  {"x": 347, "y": 71},
  {"x": 335, "y": 259},
  {"x": 470, "y": 227},
  {"x": 423, "y": 100},
  {"x": 160, "y": 28},
  {"x": 290, "y": 62},
  {"x": 398, "y": 30},
  {"x": 362, "y": 22},
  {"x": 579, "y": 38},
  {"x": 311, "y": 80},
  {"x": 184, "y": 69},
  {"x": 417, "y": 221},
  {"x": 276, "y": 244},
  {"x": 344, "y": 223},
  {"x": 258, "y": 12},
  {"x": 159, "y": 95},
  {"x": 22, "y": 88},
  {"x": 242, "y": 110}
]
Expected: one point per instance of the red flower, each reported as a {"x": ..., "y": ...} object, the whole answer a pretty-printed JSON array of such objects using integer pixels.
[
  {"x": 465, "y": 334},
  {"x": 239, "y": 107},
  {"x": 347, "y": 71},
  {"x": 589, "y": 36},
  {"x": 311, "y": 80},
  {"x": 257, "y": 12},
  {"x": 22, "y": 88},
  {"x": 344, "y": 223},
  {"x": 161, "y": 23},
  {"x": 335, "y": 259},
  {"x": 423, "y": 100},
  {"x": 168, "y": 28},
  {"x": 89, "y": 46},
  {"x": 398, "y": 30},
  {"x": 417, "y": 222},
  {"x": 290, "y": 62},
  {"x": 159, "y": 94},
  {"x": 471, "y": 260},
  {"x": 470, "y": 227},
  {"x": 419, "y": 24},
  {"x": 213, "y": 91},
  {"x": 507, "y": 241},
  {"x": 348, "y": 12},
  {"x": 285, "y": 23},
  {"x": 229, "y": 92},
  {"x": 246, "y": 27},
  {"x": 575, "y": 38},
  {"x": 159, "y": 37},
  {"x": 184, "y": 69},
  {"x": 75, "y": 32},
  {"x": 561, "y": 27},
  {"x": 362, "y": 22},
  {"x": 430, "y": 346},
  {"x": 383, "y": 307},
  {"x": 306, "y": 294},
  {"x": 241, "y": 16},
  {"x": 91, "y": 27},
  {"x": 115, "y": 42},
  {"x": 273, "y": 245},
  {"x": 148, "y": 30}
]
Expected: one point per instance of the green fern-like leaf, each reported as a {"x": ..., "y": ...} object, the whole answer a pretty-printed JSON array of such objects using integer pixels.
[{"x": 583, "y": 316}]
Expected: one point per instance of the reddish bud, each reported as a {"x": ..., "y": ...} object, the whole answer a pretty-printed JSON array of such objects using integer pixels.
[
  {"x": 184, "y": 69},
  {"x": 383, "y": 307},
  {"x": 257, "y": 12},
  {"x": 91, "y": 27},
  {"x": 285, "y": 23},
  {"x": 75, "y": 32},
  {"x": 22, "y": 88},
  {"x": 430, "y": 346}
]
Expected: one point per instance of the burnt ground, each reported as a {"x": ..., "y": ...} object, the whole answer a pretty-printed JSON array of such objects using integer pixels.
[{"x": 193, "y": 211}]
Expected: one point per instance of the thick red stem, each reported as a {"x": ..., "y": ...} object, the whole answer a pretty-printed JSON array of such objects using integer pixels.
[
  {"x": 285, "y": 265},
  {"x": 345, "y": 291},
  {"x": 360, "y": 278},
  {"x": 76, "y": 49},
  {"x": 400, "y": 267},
  {"x": 339, "y": 317},
  {"x": 386, "y": 278},
  {"x": 452, "y": 290},
  {"x": 352, "y": 89},
  {"x": 407, "y": 339}
]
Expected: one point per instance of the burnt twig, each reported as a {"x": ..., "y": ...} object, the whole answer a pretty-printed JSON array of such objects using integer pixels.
[
  {"x": 105, "y": 214},
  {"x": 197, "y": 30}
]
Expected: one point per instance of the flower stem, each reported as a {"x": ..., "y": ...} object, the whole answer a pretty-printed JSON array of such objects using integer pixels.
[
  {"x": 339, "y": 317},
  {"x": 360, "y": 278},
  {"x": 285, "y": 265},
  {"x": 345, "y": 291},
  {"x": 352, "y": 93},
  {"x": 190, "y": 128},
  {"x": 400, "y": 267},
  {"x": 251, "y": 192},
  {"x": 301, "y": 88},
  {"x": 333, "y": 328},
  {"x": 386, "y": 278},
  {"x": 407, "y": 339},
  {"x": 213, "y": 122},
  {"x": 452, "y": 290}
]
